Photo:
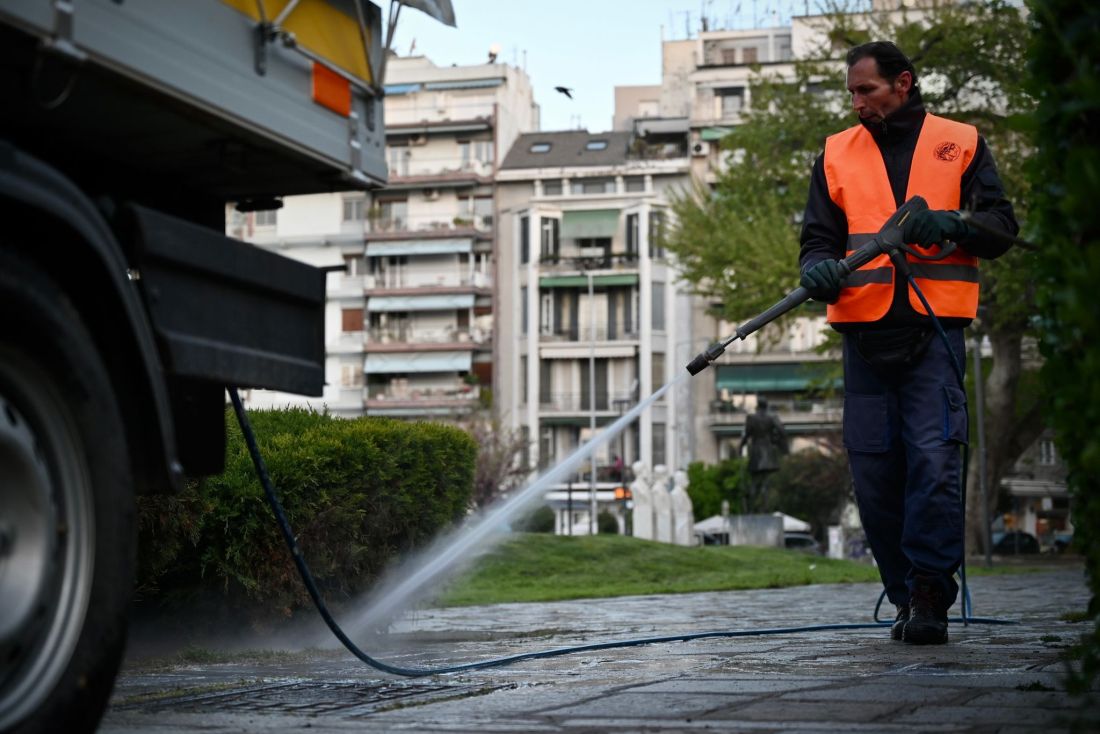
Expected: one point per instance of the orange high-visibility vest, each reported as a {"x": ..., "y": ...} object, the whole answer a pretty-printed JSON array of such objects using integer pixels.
[{"x": 859, "y": 185}]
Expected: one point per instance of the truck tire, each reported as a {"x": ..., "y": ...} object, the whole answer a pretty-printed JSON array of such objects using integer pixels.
[{"x": 67, "y": 534}]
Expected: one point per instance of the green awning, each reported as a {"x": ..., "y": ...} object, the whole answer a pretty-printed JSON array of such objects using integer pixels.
[
  {"x": 788, "y": 377},
  {"x": 591, "y": 223},
  {"x": 581, "y": 281},
  {"x": 714, "y": 133}
]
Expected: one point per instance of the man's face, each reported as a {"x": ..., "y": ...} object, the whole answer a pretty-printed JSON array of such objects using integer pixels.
[{"x": 873, "y": 98}]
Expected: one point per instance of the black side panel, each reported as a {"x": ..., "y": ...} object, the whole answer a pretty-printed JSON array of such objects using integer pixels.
[{"x": 230, "y": 312}]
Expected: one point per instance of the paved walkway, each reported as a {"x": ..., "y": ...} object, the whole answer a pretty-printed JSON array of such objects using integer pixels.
[{"x": 988, "y": 679}]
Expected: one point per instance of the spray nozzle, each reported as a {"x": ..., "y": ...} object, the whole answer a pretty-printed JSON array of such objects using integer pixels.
[{"x": 703, "y": 359}]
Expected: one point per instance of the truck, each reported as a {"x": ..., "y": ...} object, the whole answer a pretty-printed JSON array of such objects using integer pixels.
[{"x": 126, "y": 129}]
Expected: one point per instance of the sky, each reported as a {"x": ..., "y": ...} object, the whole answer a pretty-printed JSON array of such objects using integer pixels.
[{"x": 591, "y": 46}]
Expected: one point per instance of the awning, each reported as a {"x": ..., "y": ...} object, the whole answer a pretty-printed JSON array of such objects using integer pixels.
[
  {"x": 603, "y": 351},
  {"x": 326, "y": 258},
  {"x": 788, "y": 377},
  {"x": 714, "y": 133},
  {"x": 598, "y": 281},
  {"x": 590, "y": 223},
  {"x": 465, "y": 84},
  {"x": 418, "y": 247},
  {"x": 394, "y": 89},
  {"x": 443, "y": 302},
  {"x": 418, "y": 362}
]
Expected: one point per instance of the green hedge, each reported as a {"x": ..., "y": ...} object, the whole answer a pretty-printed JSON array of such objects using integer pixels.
[
  {"x": 1065, "y": 69},
  {"x": 356, "y": 492}
]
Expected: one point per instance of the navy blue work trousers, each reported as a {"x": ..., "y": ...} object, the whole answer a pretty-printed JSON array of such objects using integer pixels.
[{"x": 902, "y": 429}]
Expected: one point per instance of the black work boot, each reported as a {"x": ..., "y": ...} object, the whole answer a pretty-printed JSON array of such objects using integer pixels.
[
  {"x": 927, "y": 623},
  {"x": 899, "y": 621}
]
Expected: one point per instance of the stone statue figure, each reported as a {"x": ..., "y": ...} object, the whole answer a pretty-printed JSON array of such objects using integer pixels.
[
  {"x": 662, "y": 504},
  {"x": 767, "y": 442},
  {"x": 641, "y": 517},
  {"x": 683, "y": 524}
]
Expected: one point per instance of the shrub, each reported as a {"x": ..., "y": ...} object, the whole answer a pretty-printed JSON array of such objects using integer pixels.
[
  {"x": 606, "y": 523},
  {"x": 356, "y": 492},
  {"x": 709, "y": 484},
  {"x": 540, "y": 520}
]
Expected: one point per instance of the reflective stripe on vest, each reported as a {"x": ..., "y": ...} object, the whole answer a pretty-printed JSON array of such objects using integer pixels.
[{"x": 859, "y": 185}]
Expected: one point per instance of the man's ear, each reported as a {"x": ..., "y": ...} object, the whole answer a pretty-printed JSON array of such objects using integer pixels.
[{"x": 904, "y": 82}]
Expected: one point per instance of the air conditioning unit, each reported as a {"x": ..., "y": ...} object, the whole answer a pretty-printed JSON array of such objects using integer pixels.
[
  {"x": 431, "y": 194},
  {"x": 700, "y": 148}
]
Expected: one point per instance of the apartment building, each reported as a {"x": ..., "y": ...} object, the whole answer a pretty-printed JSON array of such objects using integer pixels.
[
  {"x": 409, "y": 319},
  {"x": 591, "y": 316},
  {"x": 705, "y": 91}
]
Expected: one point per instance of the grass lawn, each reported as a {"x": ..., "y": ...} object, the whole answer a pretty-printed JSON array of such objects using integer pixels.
[{"x": 542, "y": 567}]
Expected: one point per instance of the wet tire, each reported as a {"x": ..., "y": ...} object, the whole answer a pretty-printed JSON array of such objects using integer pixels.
[{"x": 67, "y": 533}]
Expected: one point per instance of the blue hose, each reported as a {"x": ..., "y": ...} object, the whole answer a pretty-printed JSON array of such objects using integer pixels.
[{"x": 322, "y": 608}]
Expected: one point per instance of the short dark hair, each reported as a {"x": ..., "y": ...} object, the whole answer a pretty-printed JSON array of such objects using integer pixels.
[{"x": 889, "y": 58}]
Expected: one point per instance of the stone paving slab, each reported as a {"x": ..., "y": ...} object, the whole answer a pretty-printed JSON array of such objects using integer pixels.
[{"x": 987, "y": 679}]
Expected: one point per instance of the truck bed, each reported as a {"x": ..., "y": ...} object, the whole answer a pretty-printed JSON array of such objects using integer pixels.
[{"x": 172, "y": 89}]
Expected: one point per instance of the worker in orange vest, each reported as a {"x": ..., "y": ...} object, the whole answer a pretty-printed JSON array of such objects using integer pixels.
[{"x": 904, "y": 409}]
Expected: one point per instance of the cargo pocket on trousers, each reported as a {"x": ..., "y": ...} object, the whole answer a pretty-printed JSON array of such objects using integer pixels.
[
  {"x": 955, "y": 428},
  {"x": 865, "y": 423}
]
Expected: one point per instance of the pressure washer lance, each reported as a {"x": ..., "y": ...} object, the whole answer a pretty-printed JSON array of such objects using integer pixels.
[{"x": 887, "y": 242}]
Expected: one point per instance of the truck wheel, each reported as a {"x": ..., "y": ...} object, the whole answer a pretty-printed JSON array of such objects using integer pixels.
[{"x": 67, "y": 533}]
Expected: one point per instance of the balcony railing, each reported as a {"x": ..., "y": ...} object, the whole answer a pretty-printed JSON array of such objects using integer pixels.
[
  {"x": 579, "y": 401},
  {"x": 411, "y": 335},
  {"x": 458, "y": 392},
  {"x": 411, "y": 162},
  {"x": 589, "y": 334},
  {"x": 589, "y": 258},
  {"x": 815, "y": 407},
  {"x": 402, "y": 279},
  {"x": 429, "y": 223},
  {"x": 413, "y": 110}
]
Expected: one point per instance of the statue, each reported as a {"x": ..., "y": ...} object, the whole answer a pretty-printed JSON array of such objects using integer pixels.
[
  {"x": 642, "y": 515},
  {"x": 683, "y": 527},
  {"x": 767, "y": 442},
  {"x": 662, "y": 504}
]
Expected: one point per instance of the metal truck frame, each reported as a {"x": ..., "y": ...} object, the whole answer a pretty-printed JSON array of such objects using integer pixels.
[{"x": 125, "y": 311}]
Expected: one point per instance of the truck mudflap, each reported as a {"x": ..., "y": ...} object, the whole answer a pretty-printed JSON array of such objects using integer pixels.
[{"x": 228, "y": 312}]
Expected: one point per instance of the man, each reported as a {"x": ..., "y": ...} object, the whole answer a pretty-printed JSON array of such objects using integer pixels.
[{"x": 904, "y": 409}]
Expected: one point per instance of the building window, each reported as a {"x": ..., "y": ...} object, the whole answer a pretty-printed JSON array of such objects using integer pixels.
[
  {"x": 552, "y": 187},
  {"x": 393, "y": 215},
  {"x": 733, "y": 100},
  {"x": 540, "y": 147},
  {"x": 1048, "y": 455},
  {"x": 657, "y": 365},
  {"x": 729, "y": 56},
  {"x": 632, "y": 235},
  {"x": 634, "y": 184},
  {"x": 523, "y": 380},
  {"x": 523, "y": 310},
  {"x": 524, "y": 240},
  {"x": 351, "y": 375},
  {"x": 597, "y": 186},
  {"x": 353, "y": 319},
  {"x": 596, "y": 145},
  {"x": 549, "y": 243},
  {"x": 656, "y": 234},
  {"x": 659, "y": 444},
  {"x": 658, "y": 312},
  {"x": 749, "y": 55},
  {"x": 398, "y": 157},
  {"x": 355, "y": 210},
  {"x": 267, "y": 218}
]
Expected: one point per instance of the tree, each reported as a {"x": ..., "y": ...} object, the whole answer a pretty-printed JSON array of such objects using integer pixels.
[
  {"x": 738, "y": 243},
  {"x": 710, "y": 484},
  {"x": 812, "y": 486},
  {"x": 1064, "y": 69},
  {"x": 499, "y": 467}
]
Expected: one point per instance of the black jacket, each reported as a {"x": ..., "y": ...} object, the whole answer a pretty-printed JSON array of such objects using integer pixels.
[{"x": 825, "y": 227}]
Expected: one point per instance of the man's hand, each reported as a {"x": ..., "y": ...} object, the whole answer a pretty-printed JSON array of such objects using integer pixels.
[
  {"x": 933, "y": 226},
  {"x": 822, "y": 280}
]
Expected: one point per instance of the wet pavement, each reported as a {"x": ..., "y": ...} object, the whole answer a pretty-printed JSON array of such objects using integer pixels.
[{"x": 987, "y": 679}]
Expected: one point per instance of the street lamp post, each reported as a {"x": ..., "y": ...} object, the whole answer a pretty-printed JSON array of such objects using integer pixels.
[{"x": 592, "y": 504}]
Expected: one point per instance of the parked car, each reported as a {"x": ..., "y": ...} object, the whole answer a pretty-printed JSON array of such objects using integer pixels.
[
  {"x": 1013, "y": 542},
  {"x": 802, "y": 542}
]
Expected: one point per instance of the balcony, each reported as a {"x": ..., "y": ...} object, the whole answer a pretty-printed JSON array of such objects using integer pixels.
[
  {"x": 578, "y": 402},
  {"x": 588, "y": 334},
  {"x": 459, "y": 398},
  {"x": 401, "y": 280},
  {"x": 423, "y": 110},
  {"x": 415, "y": 166},
  {"x": 455, "y": 225},
  {"x": 588, "y": 258},
  {"x": 407, "y": 338}
]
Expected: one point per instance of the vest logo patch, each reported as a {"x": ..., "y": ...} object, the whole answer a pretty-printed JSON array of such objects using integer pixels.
[{"x": 947, "y": 151}]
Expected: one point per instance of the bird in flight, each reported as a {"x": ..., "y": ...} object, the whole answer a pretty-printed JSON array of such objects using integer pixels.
[{"x": 565, "y": 90}]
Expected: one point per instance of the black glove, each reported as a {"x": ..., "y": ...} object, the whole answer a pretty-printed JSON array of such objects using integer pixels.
[
  {"x": 822, "y": 280},
  {"x": 933, "y": 226}
]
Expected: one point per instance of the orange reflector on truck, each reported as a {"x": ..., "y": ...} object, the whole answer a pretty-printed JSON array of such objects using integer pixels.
[{"x": 331, "y": 90}]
